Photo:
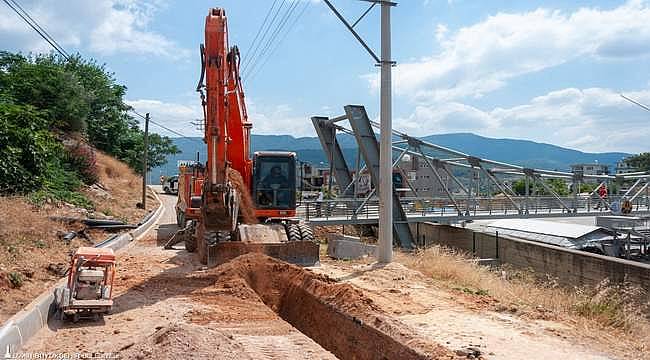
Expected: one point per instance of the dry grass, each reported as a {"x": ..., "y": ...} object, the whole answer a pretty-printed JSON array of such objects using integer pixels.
[
  {"x": 28, "y": 244},
  {"x": 125, "y": 188},
  {"x": 620, "y": 309}
]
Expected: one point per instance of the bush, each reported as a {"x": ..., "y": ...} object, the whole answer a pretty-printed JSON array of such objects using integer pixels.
[
  {"x": 61, "y": 185},
  {"x": 81, "y": 158},
  {"x": 15, "y": 279},
  {"x": 27, "y": 148}
]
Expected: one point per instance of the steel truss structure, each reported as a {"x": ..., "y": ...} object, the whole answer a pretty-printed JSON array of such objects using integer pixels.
[{"x": 475, "y": 198}]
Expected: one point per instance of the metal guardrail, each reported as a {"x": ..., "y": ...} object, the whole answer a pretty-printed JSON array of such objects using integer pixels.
[{"x": 348, "y": 210}]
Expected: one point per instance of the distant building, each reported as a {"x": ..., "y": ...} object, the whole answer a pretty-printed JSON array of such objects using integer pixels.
[
  {"x": 590, "y": 169},
  {"x": 624, "y": 167},
  {"x": 313, "y": 177},
  {"x": 423, "y": 180}
]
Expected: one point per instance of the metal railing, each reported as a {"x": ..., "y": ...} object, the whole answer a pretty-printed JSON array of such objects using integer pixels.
[{"x": 365, "y": 209}]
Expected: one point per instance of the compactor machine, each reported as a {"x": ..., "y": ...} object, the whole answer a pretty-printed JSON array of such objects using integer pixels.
[{"x": 89, "y": 290}]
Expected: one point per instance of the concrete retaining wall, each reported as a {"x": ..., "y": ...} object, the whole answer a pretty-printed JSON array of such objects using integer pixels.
[
  {"x": 348, "y": 247},
  {"x": 571, "y": 267},
  {"x": 16, "y": 331}
]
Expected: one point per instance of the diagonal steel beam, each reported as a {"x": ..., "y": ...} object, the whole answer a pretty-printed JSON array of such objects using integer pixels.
[
  {"x": 636, "y": 183},
  {"x": 442, "y": 184},
  {"x": 455, "y": 179},
  {"x": 552, "y": 192},
  {"x": 640, "y": 191},
  {"x": 501, "y": 188}
]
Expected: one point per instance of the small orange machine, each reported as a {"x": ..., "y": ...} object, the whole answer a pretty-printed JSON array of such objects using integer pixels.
[{"x": 89, "y": 290}]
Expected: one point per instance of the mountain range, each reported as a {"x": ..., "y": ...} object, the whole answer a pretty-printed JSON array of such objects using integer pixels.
[{"x": 519, "y": 152}]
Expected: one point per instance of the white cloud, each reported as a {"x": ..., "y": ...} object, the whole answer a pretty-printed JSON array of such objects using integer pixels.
[
  {"x": 105, "y": 27},
  {"x": 483, "y": 57},
  {"x": 278, "y": 119},
  {"x": 593, "y": 119},
  {"x": 441, "y": 32}
]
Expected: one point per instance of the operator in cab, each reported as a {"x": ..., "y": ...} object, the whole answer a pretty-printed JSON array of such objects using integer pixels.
[{"x": 275, "y": 185}]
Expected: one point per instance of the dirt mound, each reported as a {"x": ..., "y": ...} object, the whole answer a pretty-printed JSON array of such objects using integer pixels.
[
  {"x": 179, "y": 341},
  {"x": 246, "y": 208},
  {"x": 337, "y": 316}
]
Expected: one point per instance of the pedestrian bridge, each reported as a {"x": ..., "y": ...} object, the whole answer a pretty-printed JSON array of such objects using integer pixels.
[
  {"x": 472, "y": 188},
  {"x": 441, "y": 210}
]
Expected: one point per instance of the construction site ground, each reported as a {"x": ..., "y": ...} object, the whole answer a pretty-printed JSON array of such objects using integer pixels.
[
  {"x": 168, "y": 307},
  {"x": 31, "y": 243}
]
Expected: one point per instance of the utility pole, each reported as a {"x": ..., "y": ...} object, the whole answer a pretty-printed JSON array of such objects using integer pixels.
[
  {"x": 145, "y": 157},
  {"x": 385, "y": 251}
]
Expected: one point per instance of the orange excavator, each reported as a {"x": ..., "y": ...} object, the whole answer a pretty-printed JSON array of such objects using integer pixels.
[{"x": 234, "y": 203}]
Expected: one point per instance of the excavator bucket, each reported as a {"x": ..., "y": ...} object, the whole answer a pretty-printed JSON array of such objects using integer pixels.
[{"x": 271, "y": 240}]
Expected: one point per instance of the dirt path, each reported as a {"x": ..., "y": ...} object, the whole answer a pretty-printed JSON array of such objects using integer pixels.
[
  {"x": 460, "y": 323},
  {"x": 155, "y": 300}
]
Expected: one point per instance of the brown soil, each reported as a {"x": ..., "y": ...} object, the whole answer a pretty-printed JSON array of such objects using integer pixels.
[
  {"x": 316, "y": 304},
  {"x": 462, "y": 321},
  {"x": 246, "y": 207},
  {"x": 30, "y": 241},
  {"x": 174, "y": 341}
]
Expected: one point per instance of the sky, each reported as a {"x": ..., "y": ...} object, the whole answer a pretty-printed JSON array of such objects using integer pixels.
[{"x": 548, "y": 71}]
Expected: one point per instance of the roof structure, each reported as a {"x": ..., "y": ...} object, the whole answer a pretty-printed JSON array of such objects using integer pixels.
[{"x": 573, "y": 236}]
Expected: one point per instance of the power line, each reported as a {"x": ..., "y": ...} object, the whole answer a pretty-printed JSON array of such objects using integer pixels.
[
  {"x": 277, "y": 45},
  {"x": 35, "y": 26},
  {"x": 252, "y": 57},
  {"x": 268, "y": 13},
  {"x": 175, "y": 132},
  {"x": 279, "y": 26},
  {"x": 40, "y": 27},
  {"x": 635, "y": 103},
  {"x": 166, "y": 128},
  {"x": 275, "y": 33}
]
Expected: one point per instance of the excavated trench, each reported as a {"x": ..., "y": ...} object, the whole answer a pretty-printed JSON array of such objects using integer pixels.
[{"x": 336, "y": 316}]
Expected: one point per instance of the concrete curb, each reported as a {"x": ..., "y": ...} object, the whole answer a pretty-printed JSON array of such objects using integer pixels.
[{"x": 27, "y": 322}]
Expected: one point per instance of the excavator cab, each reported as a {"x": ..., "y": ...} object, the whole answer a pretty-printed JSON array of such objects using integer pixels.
[{"x": 274, "y": 184}]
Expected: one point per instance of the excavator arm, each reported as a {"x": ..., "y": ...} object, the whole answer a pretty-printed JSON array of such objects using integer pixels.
[{"x": 227, "y": 130}]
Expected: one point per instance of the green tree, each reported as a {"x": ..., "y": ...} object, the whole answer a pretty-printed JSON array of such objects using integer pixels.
[
  {"x": 81, "y": 96},
  {"x": 26, "y": 148},
  {"x": 159, "y": 148},
  {"x": 46, "y": 85},
  {"x": 640, "y": 161},
  {"x": 559, "y": 186}
]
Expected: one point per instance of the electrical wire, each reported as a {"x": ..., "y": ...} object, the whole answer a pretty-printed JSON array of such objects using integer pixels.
[
  {"x": 279, "y": 27},
  {"x": 259, "y": 31},
  {"x": 253, "y": 55},
  {"x": 277, "y": 45},
  {"x": 166, "y": 128},
  {"x": 35, "y": 26}
]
